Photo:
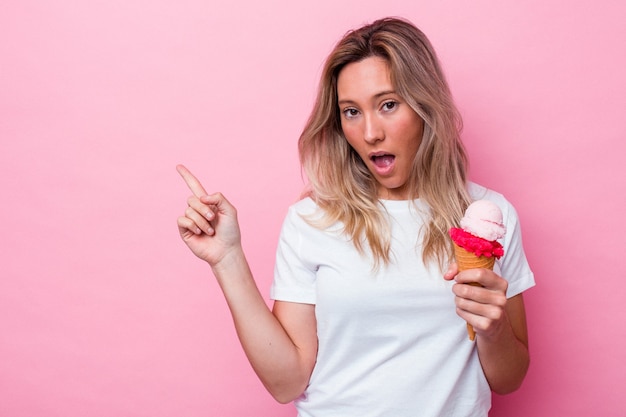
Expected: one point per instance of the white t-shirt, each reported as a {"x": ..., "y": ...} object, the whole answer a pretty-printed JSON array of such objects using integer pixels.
[{"x": 390, "y": 341}]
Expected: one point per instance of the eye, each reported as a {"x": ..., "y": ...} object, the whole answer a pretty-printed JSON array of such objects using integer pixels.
[
  {"x": 350, "y": 113},
  {"x": 389, "y": 105}
]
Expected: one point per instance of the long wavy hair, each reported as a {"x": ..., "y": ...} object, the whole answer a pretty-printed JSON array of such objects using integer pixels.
[{"x": 339, "y": 181}]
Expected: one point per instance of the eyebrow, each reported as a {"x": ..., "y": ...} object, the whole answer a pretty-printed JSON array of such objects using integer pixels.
[{"x": 378, "y": 95}]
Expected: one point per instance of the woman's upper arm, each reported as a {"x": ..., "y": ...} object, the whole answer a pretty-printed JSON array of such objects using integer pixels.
[{"x": 299, "y": 322}]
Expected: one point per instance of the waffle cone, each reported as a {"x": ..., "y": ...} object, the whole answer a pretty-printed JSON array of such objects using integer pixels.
[{"x": 468, "y": 260}]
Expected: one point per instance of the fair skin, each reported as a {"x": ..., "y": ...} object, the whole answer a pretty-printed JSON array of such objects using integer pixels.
[
  {"x": 379, "y": 125},
  {"x": 281, "y": 344}
]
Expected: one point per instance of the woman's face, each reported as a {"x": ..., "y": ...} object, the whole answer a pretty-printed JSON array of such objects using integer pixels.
[{"x": 379, "y": 125}]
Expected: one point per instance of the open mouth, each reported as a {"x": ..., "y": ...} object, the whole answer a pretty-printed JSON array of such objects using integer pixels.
[{"x": 383, "y": 160}]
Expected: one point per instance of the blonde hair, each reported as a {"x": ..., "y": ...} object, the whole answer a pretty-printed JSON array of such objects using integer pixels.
[{"x": 339, "y": 181}]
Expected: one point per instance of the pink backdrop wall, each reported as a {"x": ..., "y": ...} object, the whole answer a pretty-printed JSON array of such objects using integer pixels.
[{"x": 103, "y": 312}]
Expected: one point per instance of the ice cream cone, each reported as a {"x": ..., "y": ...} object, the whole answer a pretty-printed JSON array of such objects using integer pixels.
[
  {"x": 476, "y": 241},
  {"x": 468, "y": 260}
]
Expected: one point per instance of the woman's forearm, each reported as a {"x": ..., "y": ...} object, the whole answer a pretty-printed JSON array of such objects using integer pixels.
[{"x": 504, "y": 354}]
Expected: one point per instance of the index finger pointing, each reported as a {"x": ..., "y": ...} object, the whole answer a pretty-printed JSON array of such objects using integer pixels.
[{"x": 192, "y": 182}]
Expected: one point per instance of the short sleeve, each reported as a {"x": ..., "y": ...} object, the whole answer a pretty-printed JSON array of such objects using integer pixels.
[
  {"x": 513, "y": 265},
  {"x": 294, "y": 277}
]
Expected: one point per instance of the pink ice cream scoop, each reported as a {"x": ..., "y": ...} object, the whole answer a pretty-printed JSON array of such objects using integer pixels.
[{"x": 484, "y": 219}]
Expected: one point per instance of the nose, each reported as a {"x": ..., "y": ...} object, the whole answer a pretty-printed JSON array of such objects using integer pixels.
[{"x": 374, "y": 131}]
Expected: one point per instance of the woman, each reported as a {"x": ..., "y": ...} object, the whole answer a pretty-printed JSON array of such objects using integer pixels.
[{"x": 366, "y": 319}]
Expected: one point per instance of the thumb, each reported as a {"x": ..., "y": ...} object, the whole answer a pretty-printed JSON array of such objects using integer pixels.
[
  {"x": 452, "y": 271},
  {"x": 219, "y": 202}
]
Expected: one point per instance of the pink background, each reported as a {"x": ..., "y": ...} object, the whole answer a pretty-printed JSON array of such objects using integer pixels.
[{"x": 104, "y": 312}]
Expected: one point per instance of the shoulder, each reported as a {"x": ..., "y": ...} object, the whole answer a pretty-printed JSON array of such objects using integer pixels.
[
  {"x": 305, "y": 206},
  {"x": 479, "y": 192},
  {"x": 298, "y": 213},
  {"x": 306, "y": 219},
  {"x": 300, "y": 210}
]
